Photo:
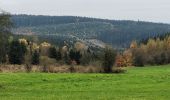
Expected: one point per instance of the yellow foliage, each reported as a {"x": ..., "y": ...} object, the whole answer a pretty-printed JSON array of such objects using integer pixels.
[
  {"x": 23, "y": 41},
  {"x": 45, "y": 44},
  {"x": 44, "y": 48},
  {"x": 133, "y": 44},
  {"x": 35, "y": 46}
]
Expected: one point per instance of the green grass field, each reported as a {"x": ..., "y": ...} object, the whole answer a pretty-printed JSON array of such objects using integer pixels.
[{"x": 148, "y": 83}]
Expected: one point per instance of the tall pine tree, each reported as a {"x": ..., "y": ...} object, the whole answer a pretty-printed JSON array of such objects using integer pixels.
[{"x": 5, "y": 26}]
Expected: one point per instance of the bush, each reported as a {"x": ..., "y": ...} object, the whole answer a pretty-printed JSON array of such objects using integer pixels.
[
  {"x": 46, "y": 62},
  {"x": 72, "y": 69},
  {"x": 28, "y": 68},
  {"x": 109, "y": 59},
  {"x": 138, "y": 57},
  {"x": 119, "y": 70}
]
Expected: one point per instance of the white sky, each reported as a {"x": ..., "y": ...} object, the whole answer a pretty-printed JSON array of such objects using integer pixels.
[{"x": 145, "y": 10}]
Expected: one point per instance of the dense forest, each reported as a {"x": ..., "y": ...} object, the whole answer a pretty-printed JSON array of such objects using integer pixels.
[{"x": 91, "y": 31}]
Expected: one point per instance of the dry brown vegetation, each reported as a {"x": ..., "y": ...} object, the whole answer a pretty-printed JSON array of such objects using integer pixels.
[{"x": 56, "y": 69}]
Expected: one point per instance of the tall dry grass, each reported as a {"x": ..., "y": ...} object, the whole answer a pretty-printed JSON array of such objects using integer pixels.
[{"x": 56, "y": 69}]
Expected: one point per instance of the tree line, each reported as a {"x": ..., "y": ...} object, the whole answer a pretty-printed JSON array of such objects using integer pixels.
[
  {"x": 154, "y": 51},
  {"x": 26, "y": 52},
  {"x": 30, "y": 52}
]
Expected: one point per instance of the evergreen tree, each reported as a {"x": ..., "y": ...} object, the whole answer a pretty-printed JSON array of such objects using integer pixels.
[
  {"x": 58, "y": 56},
  {"x": 53, "y": 52},
  {"x": 5, "y": 26},
  {"x": 17, "y": 52},
  {"x": 36, "y": 58},
  {"x": 75, "y": 55}
]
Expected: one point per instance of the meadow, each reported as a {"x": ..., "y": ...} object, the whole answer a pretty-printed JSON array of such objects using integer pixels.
[{"x": 138, "y": 83}]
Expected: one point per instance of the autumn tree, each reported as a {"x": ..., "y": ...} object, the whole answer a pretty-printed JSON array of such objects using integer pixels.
[{"x": 44, "y": 48}]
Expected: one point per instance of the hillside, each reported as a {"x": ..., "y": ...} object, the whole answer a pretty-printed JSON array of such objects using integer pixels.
[{"x": 118, "y": 33}]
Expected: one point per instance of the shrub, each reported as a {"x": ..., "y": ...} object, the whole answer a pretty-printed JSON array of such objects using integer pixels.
[
  {"x": 109, "y": 59},
  {"x": 72, "y": 69},
  {"x": 138, "y": 57},
  {"x": 28, "y": 68},
  {"x": 46, "y": 62},
  {"x": 119, "y": 70}
]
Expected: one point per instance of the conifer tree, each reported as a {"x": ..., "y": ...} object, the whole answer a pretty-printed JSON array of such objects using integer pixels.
[{"x": 35, "y": 58}]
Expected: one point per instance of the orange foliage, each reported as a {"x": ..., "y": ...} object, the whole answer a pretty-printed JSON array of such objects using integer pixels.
[
  {"x": 124, "y": 60},
  {"x": 119, "y": 61}
]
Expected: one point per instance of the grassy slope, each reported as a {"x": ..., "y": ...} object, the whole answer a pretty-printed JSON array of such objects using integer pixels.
[{"x": 149, "y": 83}]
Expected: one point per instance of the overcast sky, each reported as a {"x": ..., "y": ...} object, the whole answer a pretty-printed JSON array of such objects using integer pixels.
[{"x": 145, "y": 10}]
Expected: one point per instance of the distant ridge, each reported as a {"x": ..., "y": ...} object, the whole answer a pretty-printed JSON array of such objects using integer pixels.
[{"x": 118, "y": 33}]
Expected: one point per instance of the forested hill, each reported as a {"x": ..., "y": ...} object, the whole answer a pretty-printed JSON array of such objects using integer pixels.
[{"x": 118, "y": 33}]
